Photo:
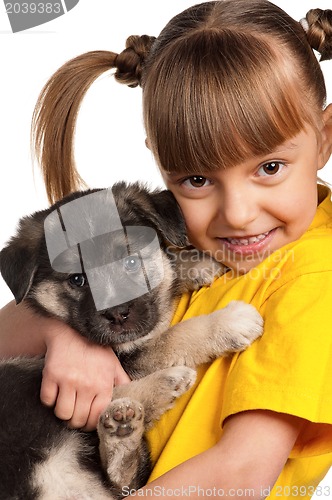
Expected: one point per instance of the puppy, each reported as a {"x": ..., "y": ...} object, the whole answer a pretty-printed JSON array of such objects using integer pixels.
[{"x": 111, "y": 264}]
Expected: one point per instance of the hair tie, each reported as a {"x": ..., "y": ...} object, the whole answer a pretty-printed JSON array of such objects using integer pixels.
[{"x": 304, "y": 23}]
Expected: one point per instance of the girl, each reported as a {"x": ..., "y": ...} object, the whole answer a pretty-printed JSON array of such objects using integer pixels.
[{"x": 235, "y": 115}]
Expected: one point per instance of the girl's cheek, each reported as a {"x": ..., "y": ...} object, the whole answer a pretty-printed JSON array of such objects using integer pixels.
[
  {"x": 191, "y": 224},
  {"x": 195, "y": 233}
]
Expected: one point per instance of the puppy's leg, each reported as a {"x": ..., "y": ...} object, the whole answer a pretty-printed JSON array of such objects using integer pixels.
[
  {"x": 202, "y": 339},
  {"x": 158, "y": 391},
  {"x": 121, "y": 427},
  {"x": 123, "y": 451}
]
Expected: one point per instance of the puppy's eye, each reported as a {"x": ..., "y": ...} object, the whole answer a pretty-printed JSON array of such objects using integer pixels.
[
  {"x": 77, "y": 280},
  {"x": 132, "y": 263}
]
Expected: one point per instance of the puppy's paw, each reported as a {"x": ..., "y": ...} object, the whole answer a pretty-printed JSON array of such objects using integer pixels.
[
  {"x": 168, "y": 385},
  {"x": 204, "y": 272},
  {"x": 240, "y": 324},
  {"x": 121, "y": 418},
  {"x": 178, "y": 379},
  {"x": 196, "y": 269}
]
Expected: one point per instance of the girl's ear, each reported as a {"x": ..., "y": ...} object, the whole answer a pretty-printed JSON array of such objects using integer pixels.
[{"x": 326, "y": 137}]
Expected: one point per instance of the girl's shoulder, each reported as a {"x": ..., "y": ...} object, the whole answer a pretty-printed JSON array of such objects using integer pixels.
[
  {"x": 312, "y": 252},
  {"x": 322, "y": 222},
  {"x": 308, "y": 256}
]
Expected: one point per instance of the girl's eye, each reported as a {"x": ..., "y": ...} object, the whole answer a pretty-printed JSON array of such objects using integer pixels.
[
  {"x": 196, "y": 181},
  {"x": 270, "y": 169}
]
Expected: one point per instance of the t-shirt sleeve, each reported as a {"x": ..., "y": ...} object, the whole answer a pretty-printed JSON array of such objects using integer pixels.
[{"x": 289, "y": 369}]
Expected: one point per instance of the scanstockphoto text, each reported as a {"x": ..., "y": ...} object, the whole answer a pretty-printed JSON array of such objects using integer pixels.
[{"x": 187, "y": 491}]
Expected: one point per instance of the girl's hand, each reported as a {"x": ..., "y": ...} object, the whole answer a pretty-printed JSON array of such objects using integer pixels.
[{"x": 78, "y": 377}]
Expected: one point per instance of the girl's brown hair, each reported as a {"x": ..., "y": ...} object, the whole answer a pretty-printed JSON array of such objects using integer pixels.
[{"x": 223, "y": 81}]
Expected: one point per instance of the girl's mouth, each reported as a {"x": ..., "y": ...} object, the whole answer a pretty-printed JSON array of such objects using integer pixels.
[{"x": 249, "y": 244}]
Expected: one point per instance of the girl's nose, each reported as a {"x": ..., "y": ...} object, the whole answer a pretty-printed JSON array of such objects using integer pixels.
[{"x": 238, "y": 209}]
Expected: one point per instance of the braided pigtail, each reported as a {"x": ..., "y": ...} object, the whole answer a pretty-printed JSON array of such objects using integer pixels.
[
  {"x": 318, "y": 27},
  {"x": 55, "y": 114},
  {"x": 130, "y": 63}
]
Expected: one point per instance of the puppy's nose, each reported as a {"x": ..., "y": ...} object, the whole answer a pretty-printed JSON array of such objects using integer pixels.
[{"x": 117, "y": 315}]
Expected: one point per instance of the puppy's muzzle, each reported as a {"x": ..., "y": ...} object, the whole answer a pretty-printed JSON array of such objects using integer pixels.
[{"x": 117, "y": 316}]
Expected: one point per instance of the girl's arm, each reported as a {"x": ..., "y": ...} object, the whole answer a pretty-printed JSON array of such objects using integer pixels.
[
  {"x": 78, "y": 376},
  {"x": 246, "y": 462},
  {"x": 21, "y": 331}
]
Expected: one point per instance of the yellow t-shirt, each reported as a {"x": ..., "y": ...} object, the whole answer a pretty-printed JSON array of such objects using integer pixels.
[{"x": 288, "y": 370}]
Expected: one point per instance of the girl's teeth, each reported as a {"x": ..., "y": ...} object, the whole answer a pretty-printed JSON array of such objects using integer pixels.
[{"x": 248, "y": 241}]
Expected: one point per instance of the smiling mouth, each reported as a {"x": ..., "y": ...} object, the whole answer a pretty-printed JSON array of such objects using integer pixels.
[
  {"x": 250, "y": 244},
  {"x": 250, "y": 240}
]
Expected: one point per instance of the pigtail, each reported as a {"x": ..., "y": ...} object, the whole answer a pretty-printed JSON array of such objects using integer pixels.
[
  {"x": 56, "y": 110},
  {"x": 318, "y": 27},
  {"x": 54, "y": 119}
]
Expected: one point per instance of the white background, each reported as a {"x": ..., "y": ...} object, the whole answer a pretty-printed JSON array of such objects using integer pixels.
[{"x": 110, "y": 136}]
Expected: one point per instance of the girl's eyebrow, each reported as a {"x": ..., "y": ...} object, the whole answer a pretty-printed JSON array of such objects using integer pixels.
[
  {"x": 285, "y": 145},
  {"x": 282, "y": 148},
  {"x": 176, "y": 176}
]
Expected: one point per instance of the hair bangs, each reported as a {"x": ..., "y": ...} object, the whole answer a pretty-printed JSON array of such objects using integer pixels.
[{"x": 224, "y": 99}]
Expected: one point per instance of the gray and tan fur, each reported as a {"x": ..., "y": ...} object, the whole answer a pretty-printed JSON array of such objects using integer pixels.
[{"x": 40, "y": 458}]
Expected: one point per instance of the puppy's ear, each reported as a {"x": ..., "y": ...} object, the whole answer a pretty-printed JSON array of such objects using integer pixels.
[
  {"x": 169, "y": 219},
  {"x": 19, "y": 259}
]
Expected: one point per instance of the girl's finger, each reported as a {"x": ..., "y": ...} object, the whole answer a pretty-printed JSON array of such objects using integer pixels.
[
  {"x": 65, "y": 403},
  {"x": 98, "y": 405},
  {"x": 48, "y": 392},
  {"x": 120, "y": 376},
  {"x": 82, "y": 411}
]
